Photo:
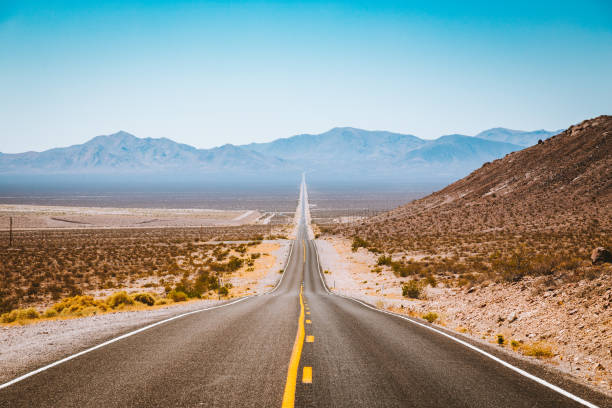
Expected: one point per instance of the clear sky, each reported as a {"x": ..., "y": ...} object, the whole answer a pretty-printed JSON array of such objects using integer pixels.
[{"x": 209, "y": 73}]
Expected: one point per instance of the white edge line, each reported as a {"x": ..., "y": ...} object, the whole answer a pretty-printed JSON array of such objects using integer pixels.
[
  {"x": 113, "y": 340},
  {"x": 284, "y": 269},
  {"x": 468, "y": 345}
]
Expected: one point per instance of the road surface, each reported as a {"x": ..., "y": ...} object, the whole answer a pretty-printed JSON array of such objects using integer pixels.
[{"x": 296, "y": 346}]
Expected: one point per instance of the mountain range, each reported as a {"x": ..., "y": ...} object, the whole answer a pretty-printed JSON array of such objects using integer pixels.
[{"x": 341, "y": 152}]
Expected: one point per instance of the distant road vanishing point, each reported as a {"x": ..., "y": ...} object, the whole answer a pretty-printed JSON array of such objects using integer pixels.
[{"x": 298, "y": 345}]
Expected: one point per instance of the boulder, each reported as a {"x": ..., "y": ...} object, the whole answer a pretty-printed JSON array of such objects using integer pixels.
[{"x": 601, "y": 255}]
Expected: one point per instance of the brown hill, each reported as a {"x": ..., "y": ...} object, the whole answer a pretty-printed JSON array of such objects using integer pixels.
[{"x": 563, "y": 182}]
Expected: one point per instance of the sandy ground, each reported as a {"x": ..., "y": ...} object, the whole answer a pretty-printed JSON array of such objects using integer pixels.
[
  {"x": 35, "y": 217},
  {"x": 265, "y": 272},
  {"x": 40, "y": 343},
  {"x": 575, "y": 319}
]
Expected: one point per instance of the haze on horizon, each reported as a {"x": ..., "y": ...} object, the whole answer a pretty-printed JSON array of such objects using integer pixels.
[{"x": 207, "y": 74}]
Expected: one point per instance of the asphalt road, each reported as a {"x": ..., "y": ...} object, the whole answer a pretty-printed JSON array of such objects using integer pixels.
[{"x": 242, "y": 355}]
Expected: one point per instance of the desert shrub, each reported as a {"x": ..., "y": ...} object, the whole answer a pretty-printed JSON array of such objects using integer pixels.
[
  {"x": 145, "y": 298},
  {"x": 537, "y": 349},
  {"x": 500, "y": 339},
  {"x": 515, "y": 344},
  {"x": 73, "y": 306},
  {"x": 412, "y": 289},
  {"x": 430, "y": 317},
  {"x": 9, "y": 317},
  {"x": 223, "y": 291},
  {"x": 177, "y": 296},
  {"x": 119, "y": 299},
  {"x": 384, "y": 260},
  {"x": 406, "y": 269},
  {"x": 359, "y": 243},
  {"x": 19, "y": 315}
]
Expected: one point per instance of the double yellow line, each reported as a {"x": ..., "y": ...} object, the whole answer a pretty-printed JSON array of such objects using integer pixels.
[{"x": 294, "y": 363}]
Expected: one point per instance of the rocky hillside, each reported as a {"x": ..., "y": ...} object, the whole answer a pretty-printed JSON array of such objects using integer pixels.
[{"x": 563, "y": 182}]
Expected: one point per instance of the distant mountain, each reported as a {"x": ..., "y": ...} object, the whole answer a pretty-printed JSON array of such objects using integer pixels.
[
  {"x": 460, "y": 149},
  {"x": 339, "y": 153},
  {"x": 343, "y": 151},
  {"x": 517, "y": 137},
  {"x": 340, "y": 145},
  {"x": 123, "y": 152}
]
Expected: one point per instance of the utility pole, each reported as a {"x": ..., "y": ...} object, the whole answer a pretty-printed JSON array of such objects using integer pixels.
[{"x": 10, "y": 231}]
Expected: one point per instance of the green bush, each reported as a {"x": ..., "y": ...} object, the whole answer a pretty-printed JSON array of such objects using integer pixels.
[
  {"x": 119, "y": 299},
  {"x": 73, "y": 306},
  {"x": 223, "y": 291},
  {"x": 384, "y": 260},
  {"x": 412, "y": 289},
  {"x": 359, "y": 243},
  {"x": 145, "y": 298},
  {"x": 19, "y": 314},
  {"x": 177, "y": 296},
  {"x": 430, "y": 317}
]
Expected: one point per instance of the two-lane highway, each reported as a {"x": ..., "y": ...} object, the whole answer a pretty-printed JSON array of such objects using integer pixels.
[{"x": 299, "y": 345}]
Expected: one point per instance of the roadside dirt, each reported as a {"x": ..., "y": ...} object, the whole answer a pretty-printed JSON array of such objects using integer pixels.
[{"x": 571, "y": 319}]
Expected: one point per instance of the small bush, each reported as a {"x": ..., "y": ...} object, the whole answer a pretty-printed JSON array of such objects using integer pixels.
[
  {"x": 500, "y": 339},
  {"x": 74, "y": 306},
  {"x": 515, "y": 344},
  {"x": 19, "y": 314},
  {"x": 430, "y": 317},
  {"x": 177, "y": 296},
  {"x": 119, "y": 299},
  {"x": 359, "y": 243},
  {"x": 412, "y": 289},
  {"x": 223, "y": 291},
  {"x": 537, "y": 349},
  {"x": 384, "y": 260},
  {"x": 145, "y": 298}
]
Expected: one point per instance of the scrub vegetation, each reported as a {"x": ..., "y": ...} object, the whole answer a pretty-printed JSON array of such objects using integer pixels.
[{"x": 43, "y": 267}]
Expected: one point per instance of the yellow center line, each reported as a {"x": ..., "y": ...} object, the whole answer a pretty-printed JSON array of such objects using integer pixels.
[
  {"x": 294, "y": 363},
  {"x": 307, "y": 375},
  {"x": 304, "y": 245}
]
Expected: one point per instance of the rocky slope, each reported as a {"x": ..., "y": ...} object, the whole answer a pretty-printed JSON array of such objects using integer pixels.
[{"x": 563, "y": 182}]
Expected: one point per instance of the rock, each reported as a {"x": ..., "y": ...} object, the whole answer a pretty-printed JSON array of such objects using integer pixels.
[
  {"x": 571, "y": 312},
  {"x": 512, "y": 317},
  {"x": 600, "y": 255},
  {"x": 472, "y": 289}
]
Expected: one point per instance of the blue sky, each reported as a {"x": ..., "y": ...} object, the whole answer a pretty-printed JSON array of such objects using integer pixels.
[{"x": 209, "y": 73}]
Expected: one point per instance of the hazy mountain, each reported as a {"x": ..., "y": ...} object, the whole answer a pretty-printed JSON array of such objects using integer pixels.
[
  {"x": 355, "y": 146},
  {"x": 339, "y": 153},
  {"x": 517, "y": 137},
  {"x": 123, "y": 152},
  {"x": 384, "y": 154},
  {"x": 460, "y": 149}
]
